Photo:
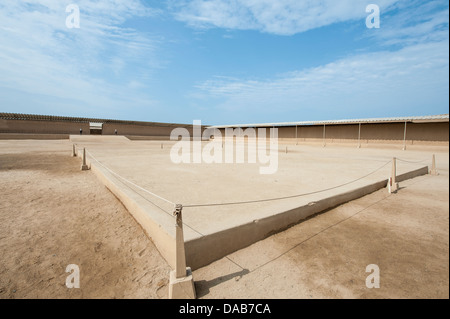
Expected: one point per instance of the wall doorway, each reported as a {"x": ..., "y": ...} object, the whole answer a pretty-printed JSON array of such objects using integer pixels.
[{"x": 96, "y": 128}]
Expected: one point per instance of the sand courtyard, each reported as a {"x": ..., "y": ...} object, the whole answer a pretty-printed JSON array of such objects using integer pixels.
[{"x": 53, "y": 214}]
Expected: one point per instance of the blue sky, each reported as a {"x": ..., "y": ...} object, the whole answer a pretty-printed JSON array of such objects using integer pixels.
[{"x": 224, "y": 62}]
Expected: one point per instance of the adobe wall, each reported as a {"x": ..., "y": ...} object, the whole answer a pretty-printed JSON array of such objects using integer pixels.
[
  {"x": 39, "y": 127},
  {"x": 391, "y": 133},
  {"x": 384, "y": 131},
  {"x": 42, "y": 127},
  {"x": 140, "y": 130},
  {"x": 22, "y": 136},
  {"x": 428, "y": 132}
]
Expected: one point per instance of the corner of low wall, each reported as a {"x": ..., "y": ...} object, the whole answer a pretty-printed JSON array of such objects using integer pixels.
[{"x": 154, "y": 223}]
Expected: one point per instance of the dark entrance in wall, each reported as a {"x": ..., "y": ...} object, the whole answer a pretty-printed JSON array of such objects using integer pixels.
[{"x": 96, "y": 128}]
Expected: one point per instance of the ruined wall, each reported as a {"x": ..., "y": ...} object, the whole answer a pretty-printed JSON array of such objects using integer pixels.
[
  {"x": 428, "y": 132},
  {"x": 34, "y": 124},
  {"x": 42, "y": 127},
  {"x": 141, "y": 130},
  {"x": 420, "y": 133}
]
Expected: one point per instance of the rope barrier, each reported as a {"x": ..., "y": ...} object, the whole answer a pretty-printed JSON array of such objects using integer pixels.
[
  {"x": 412, "y": 162},
  {"x": 131, "y": 183},
  {"x": 146, "y": 191},
  {"x": 284, "y": 197},
  {"x": 180, "y": 250},
  {"x": 238, "y": 202},
  {"x": 231, "y": 203}
]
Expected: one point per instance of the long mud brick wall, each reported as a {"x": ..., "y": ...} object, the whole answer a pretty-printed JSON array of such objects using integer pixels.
[
  {"x": 427, "y": 133},
  {"x": 392, "y": 133},
  {"x": 13, "y": 124}
]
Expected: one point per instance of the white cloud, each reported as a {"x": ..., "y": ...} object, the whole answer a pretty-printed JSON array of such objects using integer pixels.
[
  {"x": 413, "y": 79},
  {"x": 88, "y": 66},
  {"x": 407, "y": 74},
  {"x": 282, "y": 17}
]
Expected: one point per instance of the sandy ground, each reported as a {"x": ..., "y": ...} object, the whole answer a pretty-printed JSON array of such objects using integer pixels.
[
  {"x": 52, "y": 215},
  {"x": 405, "y": 234}
]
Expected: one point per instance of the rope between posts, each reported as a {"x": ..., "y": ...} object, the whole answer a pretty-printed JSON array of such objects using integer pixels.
[
  {"x": 412, "y": 162},
  {"x": 137, "y": 186},
  {"x": 131, "y": 183},
  {"x": 238, "y": 202},
  {"x": 284, "y": 197},
  {"x": 233, "y": 203}
]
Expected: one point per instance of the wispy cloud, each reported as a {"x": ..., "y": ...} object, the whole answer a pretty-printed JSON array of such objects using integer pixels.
[
  {"x": 413, "y": 22},
  {"x": 399, "y": 82},
  {"x": 40, "y": 55},
  {"x": 406, "y": 74},
  {"x": 283, "y": 17},
  {"x": 108, "y": 65}
]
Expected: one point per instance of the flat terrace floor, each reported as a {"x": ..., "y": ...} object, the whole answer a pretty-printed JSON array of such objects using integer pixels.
[
  {"x": 51, "y": 218},
  {"x": 302, "y": 170}
]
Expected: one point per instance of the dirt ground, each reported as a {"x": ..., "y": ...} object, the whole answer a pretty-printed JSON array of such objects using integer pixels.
[
  {"x": 405, "y": 234},
  {"x": 52, "y": 214}
]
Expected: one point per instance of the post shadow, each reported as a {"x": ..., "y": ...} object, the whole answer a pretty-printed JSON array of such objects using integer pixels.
[{"x": 202, "y": 286}]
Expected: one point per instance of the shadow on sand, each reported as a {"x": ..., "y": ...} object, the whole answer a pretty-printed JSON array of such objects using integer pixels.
[{"x": 202, "y": 287}]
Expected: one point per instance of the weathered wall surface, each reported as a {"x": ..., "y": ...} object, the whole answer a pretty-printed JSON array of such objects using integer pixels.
[
  {"x": 42, "y": 127},
  {"x": 20, "y": 126},
  {"x": 416, "y": 133},
  {"x": 140, "y": 130},
  {"x": 420, "y": 133},
  {"x": 428, "y": 132}
]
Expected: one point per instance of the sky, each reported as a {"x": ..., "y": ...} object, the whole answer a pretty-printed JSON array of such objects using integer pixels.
[{"x": 224, "y": 62}]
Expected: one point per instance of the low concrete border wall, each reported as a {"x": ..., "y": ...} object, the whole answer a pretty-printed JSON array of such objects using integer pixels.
[
  {"x": 159, "y": 226},
  {"x": 147, "y": 138}
]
